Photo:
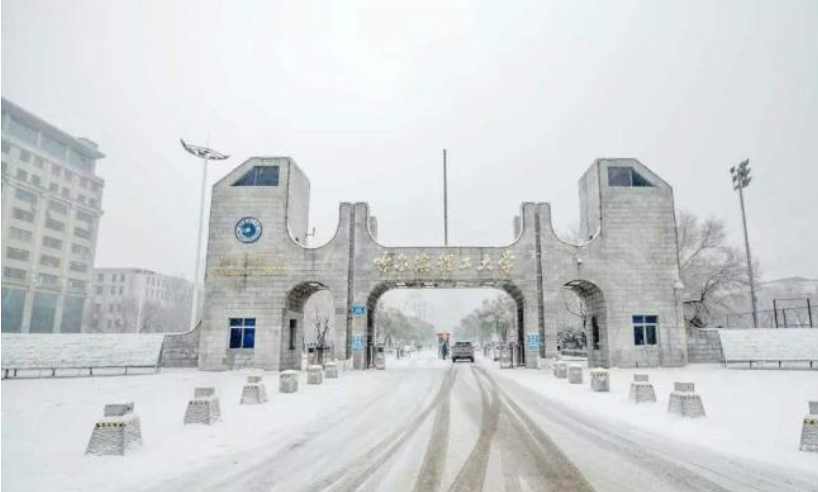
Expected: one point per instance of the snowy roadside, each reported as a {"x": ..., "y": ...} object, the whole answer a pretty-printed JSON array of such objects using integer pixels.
[
  {"x": 754, "y": 415},
  {"x": 47, "y": 424}
]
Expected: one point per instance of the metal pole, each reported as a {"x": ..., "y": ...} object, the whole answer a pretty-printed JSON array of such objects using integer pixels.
[
  {"x": 775, "y": 312},
  {"x": 194, "y": 301},
  {"x": 809, "y": 312},
  {"x": 749, "y": 258},
  {"x": 445, "y": 202}
]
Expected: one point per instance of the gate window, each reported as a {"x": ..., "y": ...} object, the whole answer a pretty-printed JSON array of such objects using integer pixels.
[
  {"x": 242, "y": 333},
  {"x": 644, "y": 329},
  {"x": 626, "y": 176},
  {"x": 293, "y": 328},
  {"x": 259, "y": 176}
]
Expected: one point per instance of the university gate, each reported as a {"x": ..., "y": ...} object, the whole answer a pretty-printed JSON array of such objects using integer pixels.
[{"x": 260, "y": 271}]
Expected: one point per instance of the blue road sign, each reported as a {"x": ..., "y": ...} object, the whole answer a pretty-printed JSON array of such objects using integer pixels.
[
  {"x": 358, "y": 309},
  {"x": 533, "y": 340}
]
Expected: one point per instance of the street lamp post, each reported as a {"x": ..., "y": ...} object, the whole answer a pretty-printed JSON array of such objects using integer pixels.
[
  {"x": 206, "y": 155},
  {"x": 741, "y": 179}
]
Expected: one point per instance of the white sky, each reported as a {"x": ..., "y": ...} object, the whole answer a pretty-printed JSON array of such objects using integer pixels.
[{"x": 364, "y": 95}]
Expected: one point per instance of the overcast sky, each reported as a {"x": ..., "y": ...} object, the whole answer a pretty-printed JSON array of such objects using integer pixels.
[{"x": 364, "y": 95}]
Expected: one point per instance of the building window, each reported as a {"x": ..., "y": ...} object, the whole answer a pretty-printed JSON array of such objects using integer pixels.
[
  {"x": 26, "y": 196},
  {"x": 6, "y": 147},
  {"x": 22, "y": 175},
  {"x": 77, "y": 284},
  {"x": 99, "y": 291},
  {"x": 54, "y": 225},
  {"x": 51, "y": 261},
  {"x": 242, "y": 333},
  {"x": 77, "y": 266},
  {"x": 23, "y": 215},
  {"x": 121, "y": 290},
  {"x": 50, "y": 242},
  {"x": 57, "y": 207},
  {"x": 66, "y": 193},
  {"x": 83, "y": 233},
  {"x": 42, "y": 313},
  {"x": 17, "y": 254},
  {"x": 92, "y": 202},
  {"x": 46, "y": 279},
  {"x": 626, "y": 176},
  {"x": 113, "y": 291},
  {"x": 644, "y": 329},
  {"x": 36, "y": 180},
  {"x": 100, "y": 276},
  {"x": 13, "y": 302},
  {"x": 85, "y": 216},
  {"x": 25, "y": 155},
  {"x": 20, "y": 234},
  {"x": 38, "y": 162},
  {"x": 259, "y": 176},
  {"x": 56, "y": 170},
  {"x": 14, "y": 273},
  {"x": 53, "y": 147},
  {"x": 53, "y": 188},
  {"x": 22, "y": 131},
  {"x": 84, "y": 251}
]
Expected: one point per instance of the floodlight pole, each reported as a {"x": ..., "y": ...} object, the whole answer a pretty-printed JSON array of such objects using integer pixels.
[
  {"x": 207, "y": 155},
  {"x": 741, "y": 178}
]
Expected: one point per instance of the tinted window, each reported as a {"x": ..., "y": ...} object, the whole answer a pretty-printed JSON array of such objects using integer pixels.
[{"x": 259, "y": 176}]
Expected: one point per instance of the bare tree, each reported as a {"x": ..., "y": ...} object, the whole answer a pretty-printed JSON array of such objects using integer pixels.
[{"x": 710, "y": 269}]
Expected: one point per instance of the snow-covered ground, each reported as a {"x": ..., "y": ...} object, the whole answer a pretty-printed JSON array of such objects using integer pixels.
[
  {"x": 753, "y": 414},
  {"x": 415, "y": 426}
]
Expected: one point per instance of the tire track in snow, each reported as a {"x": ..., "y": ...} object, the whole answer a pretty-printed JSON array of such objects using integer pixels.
[
  {"x": 553, "y": 469},
  {"x": 472, "y": 474},
  {"x": 365, "y": 465},
  {"x": 434, "y": 461}
]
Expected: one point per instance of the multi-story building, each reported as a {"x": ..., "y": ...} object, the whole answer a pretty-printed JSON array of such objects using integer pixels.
[
  {"x": 51, "y": 209},
  {"x": 136, "y": 300}
]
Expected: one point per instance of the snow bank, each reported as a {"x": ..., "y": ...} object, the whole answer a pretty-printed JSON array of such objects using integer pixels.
[{"x": 750, "y": 414}]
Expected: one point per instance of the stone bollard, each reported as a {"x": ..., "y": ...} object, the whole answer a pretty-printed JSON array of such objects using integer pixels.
[
  {"x": 600, "y": 380},
  {"x": 575, "y": 374},
  {"x": 331, "y": 370},
  {"x": 254, "y": 391},
  {"x": 641, "y": 390},
  {"x": 685, "y": 402},
  {"x": 288, "y": 381},
  {"x": 315, "y": 375},
  {"x": 118, "y": 431},
  {"x": 560, "y": 370},
  {"x": 203, "y": 408},
  {"x": 809, "y": 429}
]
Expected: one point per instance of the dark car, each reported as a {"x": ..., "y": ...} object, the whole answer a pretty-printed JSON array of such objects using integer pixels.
[{"x": 463, "y": 350}]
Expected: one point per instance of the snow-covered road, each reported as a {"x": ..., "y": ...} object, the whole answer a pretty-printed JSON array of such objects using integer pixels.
[{"x": 421, "y": 425}]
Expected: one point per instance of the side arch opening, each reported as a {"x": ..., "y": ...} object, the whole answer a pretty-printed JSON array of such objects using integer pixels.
[
  {"x": 589, "y": 309},
  {"x": 308, "y": 327}
]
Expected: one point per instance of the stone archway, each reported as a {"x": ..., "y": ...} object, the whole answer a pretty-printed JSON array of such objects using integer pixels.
[
  {"x": 595, "y": 322},
  {"x": 507, "y": 287},
  {"x": 293, "y": 326}
]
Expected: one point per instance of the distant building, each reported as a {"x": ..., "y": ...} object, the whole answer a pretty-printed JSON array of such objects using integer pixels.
[
  {"x": 135, "y": 300},
  {"x": 51, "y": 209}
]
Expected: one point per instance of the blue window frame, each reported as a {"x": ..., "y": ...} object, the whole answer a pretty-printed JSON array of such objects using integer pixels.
[
  {"x": 645, "y": 328},
  {"x": 242, "y": 333}
]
